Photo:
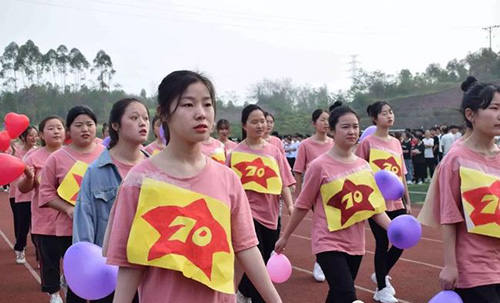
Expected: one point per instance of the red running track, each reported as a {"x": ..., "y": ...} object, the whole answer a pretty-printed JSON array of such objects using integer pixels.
[{"x": 415, "y": 276}]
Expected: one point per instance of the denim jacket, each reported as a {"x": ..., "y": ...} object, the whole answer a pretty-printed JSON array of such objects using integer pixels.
[{"x": 95, "y": 199}]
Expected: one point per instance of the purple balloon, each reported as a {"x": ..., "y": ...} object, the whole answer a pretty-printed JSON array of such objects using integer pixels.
[
  {"x": 404, "y": 231},
  {"x": 368, "y": 131},
  {"x": 106, "y": 141},
  {"x": 162, "y": 135},
  {"x": 389, "y": 184},
  {"x": 87, "y": 273},
  {"x": 446, "y": 296}
]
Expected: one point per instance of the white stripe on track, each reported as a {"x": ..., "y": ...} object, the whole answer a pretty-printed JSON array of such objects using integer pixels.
[
  {"x": 372, "y": 253},
  {"x": 26, "y": 264},
  {"x": 357, "y": 287}
]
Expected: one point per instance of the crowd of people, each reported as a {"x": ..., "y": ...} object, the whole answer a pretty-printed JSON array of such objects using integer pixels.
[{"x": 194, "y": 218}]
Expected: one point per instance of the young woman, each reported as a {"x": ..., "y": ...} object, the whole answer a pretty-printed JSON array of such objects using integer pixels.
[
  {"x": 43, "y": 227},
  {"x": 384, "y": 152},
  {"x": 63, "y": 172},
  {"x": 158, "y": 144},
  {"x": 308, "y": 150},
  {"x": 223, "y": 130},
  {"x": 264, "y": 173},
  {"x": 129, "y": 121},
  {"x": 467, "y": 210},
  {"x": 273, "y": 140},
  {"x": 418, "y": 154},
  {"x": 343, "y": 192},
  {"x": 21, "y": 202},
  {"x": 197, "y": 206}
]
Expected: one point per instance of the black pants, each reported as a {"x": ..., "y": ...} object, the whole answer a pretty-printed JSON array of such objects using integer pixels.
[
  {"x": 267, "y": 239},
  {"x": 291, "y": 162},
  {"x": 12, "y": 207},
  {"x": 430, "y": 163},
  {"x": 340, "y": 271},
  {"x": 50, "y": 257},
  {"x": 22, "y": 221},
  {"x": 385, "y": 258},
  {"x": 480, "y": 294},
  {"x": 419, "y": 173}
]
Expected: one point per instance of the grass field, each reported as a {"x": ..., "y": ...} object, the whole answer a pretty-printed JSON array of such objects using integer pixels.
[{"x": 418, "y": 192}]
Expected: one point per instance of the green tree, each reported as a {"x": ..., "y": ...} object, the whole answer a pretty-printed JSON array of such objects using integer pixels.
[
  {"x": 10, "y": 65},
  {"x": 62, "y": 63},
  {"x": 104, "y": 68},
  {"x": 78, "y": 64},
  {"x": 30, "y": 62}
]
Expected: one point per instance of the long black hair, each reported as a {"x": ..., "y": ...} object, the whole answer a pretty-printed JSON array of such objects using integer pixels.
[
  {"x": 245, "y": 114},
  {"x": 476, "y": 95}
]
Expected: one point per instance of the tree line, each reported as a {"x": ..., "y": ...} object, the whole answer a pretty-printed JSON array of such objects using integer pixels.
[{"x": 40, "y": 84}]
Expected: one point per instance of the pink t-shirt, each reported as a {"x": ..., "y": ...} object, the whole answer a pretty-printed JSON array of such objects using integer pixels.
[
  {"x": 229, "y": 146},
  {"x": 273, "y": 140},
  {"x": 53, "y": 173},
  {"x": 309, "y": 150},
  {"x": 123, "y": 168},
  {"x": 42, "y": 219},
  {"x": 323, "y": 170},
  {"x": 98, "y": 140},
  {"x": 392, "y": 147},
  {"x": 163, "y": 285},
  {"x": 13, "y": 191},
  {"x": 265, "y": 207},
  {"x": 212, "y": 148},
  {"x": 153, "y": 148},
  {"x": 478, "y": 256}
]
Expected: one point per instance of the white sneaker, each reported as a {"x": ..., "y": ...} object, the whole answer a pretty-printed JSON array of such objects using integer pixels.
[
  {"x": 20, "y": 257},
  {"x": 420, "y": 182},
  {"x": 240, "y": 298},
  {"x": 64, "y": 285},
  {"x": 357, "y": 301},
  {"x": 318, "y": 273},
  {"x": 409, "y": 182},
  {"x": 387, "y": 283},
  {"x": 384, "y": 296},
  {"x": 55, "y": 298}
]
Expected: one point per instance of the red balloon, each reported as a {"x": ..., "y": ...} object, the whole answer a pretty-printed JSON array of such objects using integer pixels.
[
  {"x": 12, "y": 168},
  {"x": 16, "y": 124},
  {"x": 4, "y": 141}
]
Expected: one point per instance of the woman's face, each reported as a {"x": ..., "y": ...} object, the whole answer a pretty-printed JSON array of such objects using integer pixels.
[
  {"x": 486, "y": 121},
  {"x": 346, "y": 131},
  {"x": 256, "y": 124},
  {"x": 386, "y": 117},
  {"x": 82, "y": 131},
  {"x": 53, "y": 133},
  {"x": 134, "y": 124},
  {"x": 270, "y": 124},
  {"x": 194, "y": 117},
  {"x": 321, "y": 124}
]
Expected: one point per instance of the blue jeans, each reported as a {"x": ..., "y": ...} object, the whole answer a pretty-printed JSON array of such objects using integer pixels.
[{"x": 409, "y": 169}]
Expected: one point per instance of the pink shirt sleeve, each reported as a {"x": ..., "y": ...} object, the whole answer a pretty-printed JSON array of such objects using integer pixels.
[
  {"x": 450, "y": 201},
  {"x": 48, "y": 186},
  {"x": 125, "y": 208},
  {"x": 300, "y": 160},
  {"x": 311, "y": 188},
  {"x": 242, "y": 228}
]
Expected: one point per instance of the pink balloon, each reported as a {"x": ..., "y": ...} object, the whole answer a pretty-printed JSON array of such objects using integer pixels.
[
  {"x": 368, "y": 131},
  {"x": 279, "y": 268}
]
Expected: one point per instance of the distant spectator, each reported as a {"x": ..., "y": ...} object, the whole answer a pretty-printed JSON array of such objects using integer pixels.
[
  {"x": 446, "y": 141},
  {"x": 419, "y": 161},
  {"x": 429, "y": 153},
  {"x": 407, "y": 149}
]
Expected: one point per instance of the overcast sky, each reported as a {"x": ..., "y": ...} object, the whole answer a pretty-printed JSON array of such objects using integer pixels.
[{"x": 240, "y": 42}]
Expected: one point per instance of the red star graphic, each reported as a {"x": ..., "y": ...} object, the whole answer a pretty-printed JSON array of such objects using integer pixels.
[
  {"x": 479, "y": 198},
  {"x": 389, "y": 164},
  {"x": 78, "y": 180},
  {"x": 212, "y": 234},
  {"x": 255, "y": 171},
  {"x": 351, "y": 199}
]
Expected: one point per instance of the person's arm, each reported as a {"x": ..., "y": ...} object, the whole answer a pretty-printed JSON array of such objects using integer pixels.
[
  {"x": 382, "y": 220},
  {"x": 449, "y": 274},
  {"x": 298, "y": 185},
  {"x": 27, "y": 183},
  {"x": 62, "y": 206},
  {"x": 297, "y": 217},
  {"x": 252, "y": 263},
  {"x": 126, "y": 285},
  {"x": 287, "y": 198}
]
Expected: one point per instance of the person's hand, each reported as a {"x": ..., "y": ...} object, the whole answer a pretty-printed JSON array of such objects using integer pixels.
[
  {"x": 448, "y": 277},
  {"x": 70, "y": 211},
  {"x": 29, "y": 172},
  {"x": 408, "y": 208},
  {"x": 290, "y": 210},
  {"x": 280, "y": 245}
]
